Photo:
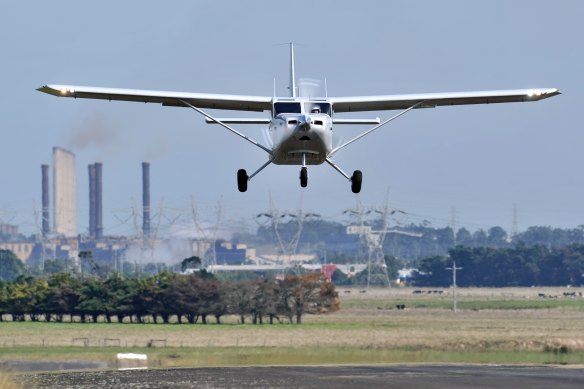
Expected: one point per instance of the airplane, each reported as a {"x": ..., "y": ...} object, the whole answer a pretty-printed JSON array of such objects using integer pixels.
[{"x": 301, "y": 127}]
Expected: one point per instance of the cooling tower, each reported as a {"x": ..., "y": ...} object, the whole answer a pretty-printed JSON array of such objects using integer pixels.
[{"x": 64, "y": 193}]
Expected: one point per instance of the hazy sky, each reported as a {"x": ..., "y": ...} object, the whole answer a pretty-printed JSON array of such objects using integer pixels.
[{"x": 479, "y": 159}]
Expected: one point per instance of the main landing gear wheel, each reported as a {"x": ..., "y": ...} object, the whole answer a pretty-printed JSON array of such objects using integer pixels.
[
  {"x": 356, "y": 181},
  {"x": 303, "y": 177},
  {"x": 242, "y": 180}
]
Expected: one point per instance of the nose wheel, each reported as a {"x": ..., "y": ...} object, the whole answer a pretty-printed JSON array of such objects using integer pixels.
[{"x": 303, "y": 177}]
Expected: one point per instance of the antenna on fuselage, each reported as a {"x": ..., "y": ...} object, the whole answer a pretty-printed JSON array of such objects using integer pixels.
[{"x": 292, "y": 85}]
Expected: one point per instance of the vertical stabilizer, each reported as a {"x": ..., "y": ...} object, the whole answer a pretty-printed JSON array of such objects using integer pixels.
[{"x": 292, "y": 86}]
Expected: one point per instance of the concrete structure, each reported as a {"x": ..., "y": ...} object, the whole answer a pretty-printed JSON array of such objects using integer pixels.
[
  {"x": 9, "y": 230},
  {"x": 22, "y": 250},
  {"x": 64, "y": 193}
]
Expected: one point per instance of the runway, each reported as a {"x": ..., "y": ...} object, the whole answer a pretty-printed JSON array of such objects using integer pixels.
[{"x": 376, "y": 376}]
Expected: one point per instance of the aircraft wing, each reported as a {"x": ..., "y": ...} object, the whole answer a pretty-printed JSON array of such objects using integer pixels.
[
  {"x": 200, "y": 100},
  {"x": 431, "y": 100}
]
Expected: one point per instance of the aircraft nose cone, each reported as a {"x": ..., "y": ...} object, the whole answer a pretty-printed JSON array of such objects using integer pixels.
[{"x": 305, "y": 125}]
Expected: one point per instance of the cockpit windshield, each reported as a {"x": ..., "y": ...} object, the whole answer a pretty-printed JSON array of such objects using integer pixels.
[
  {"x": 314, "y": 107},
  {"x": 286, "y": 108}
]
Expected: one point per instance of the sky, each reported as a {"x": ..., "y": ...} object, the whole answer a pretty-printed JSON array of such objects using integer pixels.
[{"x": 474, "y": 162}]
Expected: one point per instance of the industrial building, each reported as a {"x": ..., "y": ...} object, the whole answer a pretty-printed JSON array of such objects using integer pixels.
[{"x": 64, "y": 193}]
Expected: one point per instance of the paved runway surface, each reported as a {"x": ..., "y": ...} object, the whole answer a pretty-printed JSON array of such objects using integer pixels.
[{"x": 382, "y": 376}]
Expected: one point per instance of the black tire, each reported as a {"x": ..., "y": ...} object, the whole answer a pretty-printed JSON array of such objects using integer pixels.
[
  {"x": 304, "y": 177},
  {"x": 242, "y": 180},
  {"x": 356, "y": 181}
]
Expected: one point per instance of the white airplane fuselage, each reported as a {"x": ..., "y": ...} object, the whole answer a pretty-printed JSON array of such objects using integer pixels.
[{"x": 303, "y": 138}]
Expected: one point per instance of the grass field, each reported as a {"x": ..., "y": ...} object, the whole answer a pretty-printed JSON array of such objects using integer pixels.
[{"x": 492, "y": 326}]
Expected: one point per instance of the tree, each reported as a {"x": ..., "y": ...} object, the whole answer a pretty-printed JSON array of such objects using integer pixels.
[
  {"x": 53, "y": 266},
  {"x": 10, "y": 266},
  {"x": 497, "y": 237},
  {"x": 93, "y": 299},
  {"x": 239, "y": 298},
  {"x": 63, "y": 296},
  {"x": 190, "y": 263},
  {"x": 393, "y": 265},
  {"x": 464, "y": 237},
  {"x": 432, "y": 272},
  {"x": 301, "y": 294}
]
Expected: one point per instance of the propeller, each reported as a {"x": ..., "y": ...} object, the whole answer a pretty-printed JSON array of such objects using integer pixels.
[{"x": 309, "y": 87}]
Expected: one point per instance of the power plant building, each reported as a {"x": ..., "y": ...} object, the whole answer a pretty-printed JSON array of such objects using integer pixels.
[{"x": 64, "y": 193}]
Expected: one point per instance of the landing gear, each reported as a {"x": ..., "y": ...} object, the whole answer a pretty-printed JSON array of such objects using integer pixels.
[
  {"x": 242, "y": 180},
  {"x": 356, "y": 181},
  {"x": 303, "y": 177}
]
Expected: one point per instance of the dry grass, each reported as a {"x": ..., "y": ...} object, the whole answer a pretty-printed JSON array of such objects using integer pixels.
[{"x": 7, "y": 381}]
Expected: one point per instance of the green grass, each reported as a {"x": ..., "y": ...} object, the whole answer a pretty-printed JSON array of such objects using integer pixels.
[
  {"x": 252, "y": 356},
  {"x": 446, "y": 303}
]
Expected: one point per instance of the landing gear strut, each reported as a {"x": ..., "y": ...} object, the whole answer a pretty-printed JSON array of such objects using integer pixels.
[{"x": 356, "y": 179}]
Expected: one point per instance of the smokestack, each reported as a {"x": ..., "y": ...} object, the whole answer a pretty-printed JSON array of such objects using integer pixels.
[
  {"x": 146, "y": 198},
  {"x": 98, "y": 218},
  {"x": 92, "y": 202},
  {"x": 45, "y": 200}
]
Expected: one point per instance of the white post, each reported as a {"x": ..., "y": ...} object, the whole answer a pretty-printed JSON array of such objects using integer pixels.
[{"x": 454, "y": 269}]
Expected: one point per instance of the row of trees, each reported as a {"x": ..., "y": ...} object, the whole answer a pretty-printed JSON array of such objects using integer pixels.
[
  {"x": 192, "y": 298},
  {"x": 522, "y": 265},
  {"x": 433, "y": 241}
]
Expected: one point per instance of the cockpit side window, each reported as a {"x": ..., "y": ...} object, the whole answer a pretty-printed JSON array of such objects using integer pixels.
[
  {"x": 314, "y": 107},
  {"x": 286, "y": 108}
]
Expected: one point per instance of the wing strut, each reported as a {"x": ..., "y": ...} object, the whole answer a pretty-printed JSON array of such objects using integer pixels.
[
  {"x": 228, "y": 127},
  {"x": 373, "y": 129},
  {"x": 330, "y": 162}
]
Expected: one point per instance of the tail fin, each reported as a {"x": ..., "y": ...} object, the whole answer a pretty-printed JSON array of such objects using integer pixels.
[{"x": 292, "y": 85}]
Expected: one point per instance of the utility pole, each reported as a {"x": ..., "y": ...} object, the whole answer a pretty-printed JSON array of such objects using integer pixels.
[{"x": 454, "y": 269}]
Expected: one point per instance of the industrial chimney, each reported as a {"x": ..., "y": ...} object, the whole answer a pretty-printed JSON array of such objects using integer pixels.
[
  {"x": 45, "y": 200},
  {"x": 146, "y": 199},
  {"x": 92, "y": 202},
  {"x": 98, "y": 200}
]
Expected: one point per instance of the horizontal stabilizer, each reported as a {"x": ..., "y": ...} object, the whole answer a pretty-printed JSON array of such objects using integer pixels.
[{"x": 356, "y": 121}]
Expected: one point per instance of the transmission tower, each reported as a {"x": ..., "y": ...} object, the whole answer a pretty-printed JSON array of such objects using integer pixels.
[
  {"x": 41, "y": 239},
  {"x": 148, "y": 242},
  {"x": 277, "y": 219},
  {"x": 515, "y": 224},
  {"x": 364, "y": 220},
  {"x": 208, "y": 235}
]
